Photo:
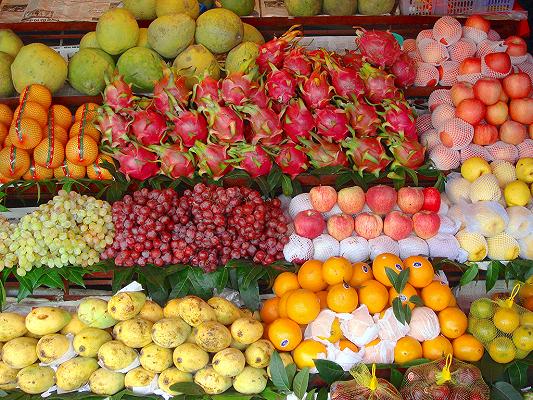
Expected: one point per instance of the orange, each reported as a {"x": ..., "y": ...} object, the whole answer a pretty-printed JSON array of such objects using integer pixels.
[
  {"x": 37, "y": 173},
  {"x": 346, "y": 344},
  {"x": 303, "y": 306},
  {"x": 384, "y": 261},
  {"x": 50, "y": 153},
  {"x": 284, "y": 282},
  {"x": 506, "y": 319},
  {"x": 81, "y": 150},
  {"x": 406, "y": 294},
  {"x": 3, "y": 179},
  {"x": 62, "y": 116},
  {"x": 323, "y": 297},
  {"x": 337, "y": 270},
  {"x": 269, "y": 310},
  {"x": 284, "y": 334},
  {"x": 90, "y": 112},
  {"x": 14, "y": 162},
  {"x": 342, "y": 298},
  {"x": 3, "y": 132},
  {"x": 6, "y": 115},
  {"x": 31, "y": 110},
  {"x": 37, "y": 93},
  {"x": 437, "y": 348},
  {"x": 282, "y": 305},
  {"x": 310, "y": 276},
  {"x": 407, "y": 349},
  {"x": 78, "y": 128},
  {"x": 453, "y": 302},
  {"x": 437, "y": 295},
  {"x": 70, "y": 170},
  {"x": 25, "y": 134},
  {"x": 453, "y": 322},
  {"x": 265, "y": 331},
  {"x": 361, "y": 273},
  {"x": 373, "y": 342},
  {"x": 374, "y": 295},
  {"x": 528, "y": 303},
  {"x": 97, "y": 172},
  {"x": 467, "y": 348},
  {"x": 421, "y": 271},
  {"x": 335, "y": 333},
  {"x": 306, "y": 352}
]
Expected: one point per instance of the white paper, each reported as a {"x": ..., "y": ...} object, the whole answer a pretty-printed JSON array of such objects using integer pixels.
[
  {"x": 132, "y": 287},
  {"x": 84, "y": 388},
  {"x": 148, "y": 389}
]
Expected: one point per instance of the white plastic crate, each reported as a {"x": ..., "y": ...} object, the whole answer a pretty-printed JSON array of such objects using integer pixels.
[{"x": 454, "y": 7}]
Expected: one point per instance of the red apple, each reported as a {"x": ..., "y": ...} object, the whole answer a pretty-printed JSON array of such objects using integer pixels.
[
  {"x": 497, "y": 113},
  {"x": 516, "y": 46},
  {"x": 512, "y": 132},
  {"x": 309, "y": 224},
  {"x": 381, "y": 199},
  {"x": 368, "y": 225},
  {"x": 351, "y": 200},
  {"x": 471, "y": 65},
  {"x": 397, "y": 225},
  {"x": 504, "y": 97},
  {"x": 477, "y": 21},
  {"x": 485, "y": 135},
  {"x": 488, "y": 90},
  {"x": 517, "y": 85},
  {"x": 431, "y": 199},
  {"x": 341, "y": 226},
  {"x": 461, "y": 91},
  {"x": 426, "y": 224},
  {"x": 323, "y": 198},
  {"x": 521, "y": 110},
  {"x": 410, "y": 199},
  {"x": 471, "y": 111},
  {"x": 530, "y": 131},
  {"x": 498, "y": 62}
]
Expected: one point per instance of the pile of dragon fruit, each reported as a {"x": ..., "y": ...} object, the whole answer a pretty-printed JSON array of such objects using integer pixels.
[{"x": 297, "y": 109}]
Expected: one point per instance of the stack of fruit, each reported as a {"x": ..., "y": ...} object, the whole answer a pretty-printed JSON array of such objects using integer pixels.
[
  {"x": 214, "y": 343},
  {"x": 348, "y": 313},
  {"x": 488, "y": 205},
  {"x": 300, "y": 8},
  {"x": 410, "y": 221},
  {"x": 40, "y": 142}
]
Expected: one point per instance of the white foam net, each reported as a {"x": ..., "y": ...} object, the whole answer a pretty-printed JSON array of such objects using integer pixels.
[
  {"x": 430, "y": 139},
  {"x": 413, "y": 246},
  {"x": 485, "y": 188},
  {"x": 474, "y": 34},
  {"x": 527, "y": 67},
  {"x": 516, "y": 60},
  {"x": 504, "y": 171},
  {"x": 525, "y": 149},
  {"x": 383, "y": 244},
  {"x": 470, "y": 78},
  {"x": 409, "y": 45},
  {"x": 432, "y": 51},
  {"x": 426, "y": 74},
  {"x": 355, "y": 249},
  {"x": 415, "y": 55},
  {"x": 503, "y": 247},
  {"x": 485, "y": 217},
  {"x": 442, "y": 114},
  {"x": 325, "y": 247},
  {"x": 448, "y": 226},
  {"x": 424, "y": 324},
  {"x": 456, "y": 134},
  {"x": 334, "y": 211},
  {"x": 489, "y": 46},
  {"x": 438, "y": 97},
  {"x": 443, "y": 245},
  {"x": 503, "y": 151},
  {"x": 299, "y": 249},
  {"x": 475, "y": 150},
  {"x": 424, "y": 34},
  {"x": 490, "y": 73},
  {"x": 462, "y": 50},
  {"x": 445, "y": 158},
  {"x": 526, "y": 247},
  {"x": 447, "y": 30},
  {"x": 299, "y": 203},
  {"x": 423, "y": 123},
  {"x": 457, "y": 188},
  {"x": 448, "y": 72},
  {"x": 520, "y": 222},
  {"x": 493, "y": 35}
]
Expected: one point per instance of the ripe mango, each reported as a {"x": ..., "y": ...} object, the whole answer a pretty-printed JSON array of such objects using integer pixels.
[
  {"x": 134, "y": 333},
  {"x": 75, "y": 373},
  {"x": 93, "y": 313},
  {"x": 105, "y": 382},
  {"x": 12, "y": 325},
  {"x": 47, "y": 320},
  {"x": 51, "y": 347},
  {"x": 20, "y": 352},
  {"x": 36, "y": 379},
  {"x": 126, "y": 305},
  {"x": 116, "y": 355},
  {"x": 89, "y": 340}
]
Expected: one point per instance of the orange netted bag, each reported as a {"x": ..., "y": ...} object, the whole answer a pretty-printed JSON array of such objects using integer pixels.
[
  {"x": 364, "y": 386},
  {"x": 444, "y": 379}
]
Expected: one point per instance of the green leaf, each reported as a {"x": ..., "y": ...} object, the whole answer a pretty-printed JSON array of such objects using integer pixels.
[
  {"x": 469, "y": 275},
  {"x": 221, "y": 279},
  {"x": 310, "y": 395},
  {"x": 278, "y": 372},
  {"x": 291, "y": 372},
  {"x": 250, "y": 295},
  {"x": 322, "y": 394},
  {"x": 299, "y": 385},
  {"x": 493, "y": 272},
  {"x": 121, "y": 277},
  {"x": 396, "y": 377},
  {"x": 517, "y": 374},
  {"x": 329, "y": 371},
  {"x": 274, "y": 178},
  {"x": 408, "y": 313},
  {"x": 416, "y": 300},
  {"x": 231, "y": 396},
  {"x": 52, "y": 279},
  {"x": 179, "y": 283},
  {"x": 286, "y": 185},
  {"x": 403, "y": 277},
  {"x": 2, "y": 296},
  {"x": 504, "y": 391},
  {"x": 393, "y": 276},
  {"x": 269, "y": 394},
  {"x": 263, "y": 186},
  {"x": 397, "y": 309},
  {"x": 202, "y": 283},
  {"x": 252, "y": 275},
  {"x": 189, "y": 388}
]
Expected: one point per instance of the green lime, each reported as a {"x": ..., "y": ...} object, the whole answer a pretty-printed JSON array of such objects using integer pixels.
[
  {"x": 482, "y": 308},
  {"x": 484, "y": 330}
]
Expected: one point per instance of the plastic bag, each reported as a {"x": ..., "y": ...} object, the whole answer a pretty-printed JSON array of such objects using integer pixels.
[
  {"x": 364, "y": 386},
  {"x": 487, "y": 217},
  {"x": 444, "y": 379}
]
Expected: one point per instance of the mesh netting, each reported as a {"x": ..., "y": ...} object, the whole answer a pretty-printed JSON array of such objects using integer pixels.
[
  {"x": 426, "y": 74},
  {"x": 503, "y": 151},
  {"x": 457, "y": 188},
  {"x": 470, "y": 78},
  {"x": 424, "y": 324},
  {"x": 299, "y": 249},
  {"x": 520, "y": 222},
  {"x": 355, "y": 249},
  {"x": 448, "y": 72},
  {"x": 475, "y": 150},
  {"x": 424, "y": 34},
  {"x": 409, "y": 45},
  {"x": 383, "y": 244},
  {"x": 516, "y": 60},
  {"x": 447, "y": 30},
  {"x": 432, "y": 51},
  {"x": 456, "y": 134},
  {"x": 474, "y": 244},
  {"x": 526, "y": 247},
  {"x": 455, "y": 213},
  {"x": 325, "y": 247},
  {"x": 527, "y": 67},
  {"x": 442, "y": 114},
  {"x": 462, "y": 50},
  {"x": 444, "y": 158},
  {"x": 381, "y": 353},
  {"x": 364, "y": 386},
  {"x": 299, "y": 203},
  {"x": 486, "y": 217},
  {"x": 488, "y": 46},
  {"x": 423, "y": 123},
  {"x": 490, "y": 73},
  {"x": 503, "y": 247},
  {"x": 438, "y": 97},
  {"x": 415, "y": 55},
  {"x": 525, "y": 149},
  {"x": 413, "y": 246},
  {"x": 336, "y": 210},
  {"x": 474, "y": 34},
  {"x": 493, "y": 35},
  {"x": 485, "y": 188},
  {"x": 390, "y": 328},
  {"x": 430, "y": 139},
  {"x": 448, "y": 226},
  {"x": 443, "y": 245},
  {"x": 504, "y": 171}
]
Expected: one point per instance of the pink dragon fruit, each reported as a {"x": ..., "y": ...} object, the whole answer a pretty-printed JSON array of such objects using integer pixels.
[
  {"x": 404, "y": 69},
  {"x": 324, "y": 153},
  {"x": 363, "y": 118},
  {"x": 332, "y": 123},
  {"x": 291, "y": 161},
  {"x": 212, "y": 159},
  {"x": 281, "y": 85},
  {"x": 297, "y": 62},
  {"x": 206, "y": 93},
  {"x": 118, "y": 94},
  {"x": 115, "y": 129},
  {"x": 175, "y": 162},
  {"x": 189, "y": 126},
  {"x": 379, "y": 48},
  {"x": 410, "y": 154},
  {"x": 137, "y": 162},
  {"x": 273, "y": 51},
  {"x": 236, "y": 88},
  {"x": 149, "y": 127},
  {"x": 316, "y": 90},
  {"x": 378, "y": 83},
  {"x": 352, "y": 59},
  {"x": 225, "y": 124},
  {"x": 298, "y": 122},
  {"x": 251, "y": 158},
  {"x": 265, "y": 124},
  {"x": 170, "y": 92},
  {"x": 367, "y": 154},
  {"x": 346, "y": 81},
  {"x": 258, "y": 96},
  {"x": 400, "y": 120}
]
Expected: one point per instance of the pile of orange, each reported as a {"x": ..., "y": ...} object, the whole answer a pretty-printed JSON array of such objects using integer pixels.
[
  {"x": 340, "y": 286},
  {"x": 39, "y": 141}
]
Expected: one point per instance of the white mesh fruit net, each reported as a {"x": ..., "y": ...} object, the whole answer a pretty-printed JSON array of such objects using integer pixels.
[
  {"x": 299, "y": 203},
  {"x": 490, "y": 73},
  {"x": 475, "y": 150},
  {"x": 325, "y": 247},
  {"x": 413, "y": 246},
  {"x": 520, "y": 222},
  {"x": 493, "y": 35},
  {"x": 526, "y": 247},
  {"x": 474, "y": 245},
  {"x": 474, "y": 34},
  {"x": 456, "y": 214},
  {"x": 489, "y": 46},
  {"x": 448, "y": 226},
  {"x": 503, "y": 247},
  {"x": 444, "y": 158},
  {"x": 334, "y": 211},
  {"x": 462, "y": 50},
  {"x": 504, "y": 171},
  {"x": 438, "y": 97},
  {"x": 409, "y": 45},
  {"x": 415, "y": 55},
  {"x": 447, "y": 30},
  {"x": 430, "y": 139},
  {"x": 486, "y": 217},
  {"x": 485, "y": 188},
  {"x": 503, "y": 151},
  {"x": 424, "y": 324},
  {"x": 355, "y": 249},
  {"x": 432, "y": 51},
  {"x": 443, "y": 245},
  {"x": 381, "y": 353},
  {"x": 525, "y": 149},
  {"x": 424, "y": 34},
  {"x": 442, "y": 114},
  {"x": 516, "y": 60},
  {"x": 457, "y": 188},
  {"x": 527, "y": 67},
  {"x": 456, "y": 134},
  {"x": 383, "y": 244},
  {"x": 469, "y": 78},
  {"x": 448, "y": 72},
  {"x": 390, "y": 328},
  {"x": 423, "y": 123},
  {"x": 299, "y": 249},
  {"x": 426, "y": 74}
]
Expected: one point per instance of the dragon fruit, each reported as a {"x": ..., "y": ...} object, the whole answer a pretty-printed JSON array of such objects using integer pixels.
[
  {"x": 410, "y": 154},
  {"x": 273, "y": 51},
  {"x": 404, "y": 69},
  {"x": 189, "y": 126},
  {"x": 175, "y": 162},
  {"x": 137, "y": 162},
  {"x": 346, "y": 81},
  {"x": 367, "y": 154},
  {"x": 379, "y": 48},
  {"x": 212, "y": 159},
  {"x": 118, "y": 94},
  {"x": 265, "y": 124},
  {"x": 258, "y": 96},
  {"x": 149, "y": 127},
  {"x": 332, "y": 123},
  {"x": 236, "y": 88},
  {"x": 206, "y": 93},
  {"x": 298, "y": 122},
  {"x": 115, "y": 128},
  {"x": 281, "y": 85},
  {"x": 316, "y": 90},
  {"x": 378, "y": 83},
  {"x": 291, "y": 160},
  {"x": 225, "y": 124},
  {"x": 400, "y": 120},
  {"x": 170, "y": 92},
  {"x": 297, "y": 62},
  {"x": 363, "y": 118},
  {"x": 352, "y": 59},
  {"x": 324, "y": 153},
  {"x": 251, "y": 158}
]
